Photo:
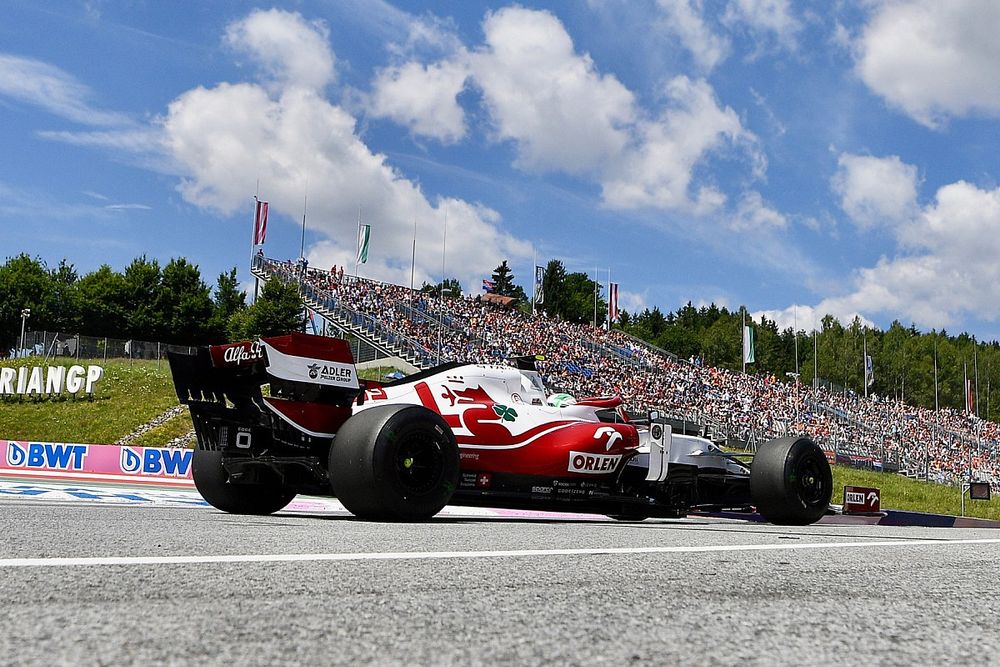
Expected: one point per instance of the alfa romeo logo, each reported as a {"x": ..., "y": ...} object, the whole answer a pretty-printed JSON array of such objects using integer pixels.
[{"x": 507, "y": 414}]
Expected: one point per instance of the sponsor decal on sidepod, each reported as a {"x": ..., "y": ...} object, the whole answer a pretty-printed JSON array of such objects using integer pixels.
[{"x": 592, "y": 464}]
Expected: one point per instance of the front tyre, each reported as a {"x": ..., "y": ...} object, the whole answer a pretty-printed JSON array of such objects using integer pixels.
[
  {"x": 790, "y": 481},
  {"x": 215, "y": 486},
  {"x": 396, "y": 462}
]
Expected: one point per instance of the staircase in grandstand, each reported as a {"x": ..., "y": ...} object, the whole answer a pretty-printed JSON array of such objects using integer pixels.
[{"x": 364, "y": 327}]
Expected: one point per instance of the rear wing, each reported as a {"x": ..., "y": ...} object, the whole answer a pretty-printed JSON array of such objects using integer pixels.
[
  {"x": 298, "y": 366},
  {"x": 197, "y": 378}
]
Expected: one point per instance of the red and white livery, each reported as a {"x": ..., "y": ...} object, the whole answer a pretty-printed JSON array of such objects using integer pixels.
[{"x": 288, "y": 414}]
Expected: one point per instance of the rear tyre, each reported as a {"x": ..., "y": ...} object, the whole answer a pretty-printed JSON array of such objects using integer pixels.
[
  {"x": 395, "y": 462},
  {"x": 214, "y": 485},
  {"x": 790, "y": 481}
]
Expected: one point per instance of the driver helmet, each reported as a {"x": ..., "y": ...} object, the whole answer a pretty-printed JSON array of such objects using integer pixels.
[{"x": 561, "y": 400}]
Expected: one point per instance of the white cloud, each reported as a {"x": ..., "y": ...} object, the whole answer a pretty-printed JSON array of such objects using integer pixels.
[
  {"x": 658, "y": 171},
  {"x": 633, "y": 302},
  {"x": 685, "y": 20},
  {"x": 946, "y": 267},
  {"x": 933, "y": 59},
  {"x": 753, "y": 214},
  {"x": 876, "y": 190},
  {"x": 559, "y": 110},
  {"x": 297, "y": 143},
  {"x": 290, "y": 50},
  {"x": 423, "y": 98},
  {"x": 765, "y": 19},
  {"x": 809, "y": 318},
  {"x": 46, "y": 86},
  {"x": 562, "y": 114}
]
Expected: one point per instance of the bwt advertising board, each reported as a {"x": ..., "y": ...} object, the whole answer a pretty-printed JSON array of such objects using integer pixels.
[{"x": 159, "y": 465}]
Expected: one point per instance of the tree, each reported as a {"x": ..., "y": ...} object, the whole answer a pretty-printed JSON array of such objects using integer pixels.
[
  {"x": 143, "y": 315},
  {"x": 452, "y": 288},
  {"x": 184, "y": 304},
  {"x": 102, "y": 303},
  {"x": 503, "y": 280},
  {"x": 552, "y": 288},
  {"x": 277, "y": 311},
  {"x": 24, "y": 283},
  {"x": 576, "y": 302},
  {"x": 64, "y": 300},
  {"x": 229, "y": 299}
]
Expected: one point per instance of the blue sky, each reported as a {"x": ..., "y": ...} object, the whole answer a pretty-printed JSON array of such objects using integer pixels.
[{"x": 799, "y": 158}]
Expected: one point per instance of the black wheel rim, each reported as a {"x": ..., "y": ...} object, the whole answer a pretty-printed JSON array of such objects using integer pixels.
[
  {"x": 810, "y": 481},
  {"x": 419, "y": 463}
]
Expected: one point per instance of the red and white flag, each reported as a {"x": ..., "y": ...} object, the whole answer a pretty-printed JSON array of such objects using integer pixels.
[
  {"x": 259, "y": 222},
  {"x": 612, "y": 302}
]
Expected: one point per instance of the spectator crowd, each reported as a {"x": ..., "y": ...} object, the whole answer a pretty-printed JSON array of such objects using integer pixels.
[{"x": 944, "y": 446}]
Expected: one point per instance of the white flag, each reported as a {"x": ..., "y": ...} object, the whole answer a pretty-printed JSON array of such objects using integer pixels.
[{"x": 748, "y": 345}]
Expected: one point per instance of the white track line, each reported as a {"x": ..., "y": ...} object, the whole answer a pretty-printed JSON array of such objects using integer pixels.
[{"x": 445, "y": 555}]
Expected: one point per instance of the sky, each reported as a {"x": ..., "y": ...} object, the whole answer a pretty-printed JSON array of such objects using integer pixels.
[{"x": 798, "y": 158}]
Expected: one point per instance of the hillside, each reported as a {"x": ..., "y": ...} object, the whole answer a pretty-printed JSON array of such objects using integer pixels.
[
  {"x": 134, "y": 401},
  {"x": 131, "y": 394}
]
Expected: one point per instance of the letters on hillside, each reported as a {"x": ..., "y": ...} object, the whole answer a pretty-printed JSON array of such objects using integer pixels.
[{"x": 49, "y": 381}]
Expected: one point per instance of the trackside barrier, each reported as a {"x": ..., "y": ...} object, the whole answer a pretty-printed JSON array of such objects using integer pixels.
[{"x": 161, "y": 466}]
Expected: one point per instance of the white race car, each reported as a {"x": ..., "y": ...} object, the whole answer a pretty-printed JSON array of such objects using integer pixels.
[{"x": 288, "y": 415}]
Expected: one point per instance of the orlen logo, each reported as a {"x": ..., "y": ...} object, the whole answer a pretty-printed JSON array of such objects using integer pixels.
[
  {"x": 46, "y": 455},
  {"x": 592, "y": 464},
  {"x": 151, "y": 461}
]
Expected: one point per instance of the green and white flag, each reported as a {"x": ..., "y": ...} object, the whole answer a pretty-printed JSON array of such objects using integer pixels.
[
  {"x": 364, "y": 236},
  {"x": 747, "y": 344}
]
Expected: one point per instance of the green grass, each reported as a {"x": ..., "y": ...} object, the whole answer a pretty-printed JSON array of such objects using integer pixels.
[
  {"x": 901, "y": 493},
  {"x": 129, "y": 395},
  {"x": 175, "y": 427},
  {"x": 377, "y": 373}
]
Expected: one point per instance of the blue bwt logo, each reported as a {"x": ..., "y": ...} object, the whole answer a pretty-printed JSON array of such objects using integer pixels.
[
  {"x": 46, "y": 455},
  {"x": 150, "y": 461}
]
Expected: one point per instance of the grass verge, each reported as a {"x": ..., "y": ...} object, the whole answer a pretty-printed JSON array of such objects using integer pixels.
[
  {"x": 901, "y": 493},
  {"x": 129, "y": 395}
]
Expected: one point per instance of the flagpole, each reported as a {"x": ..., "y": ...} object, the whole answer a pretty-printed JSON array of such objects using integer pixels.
[
  {"x": 743, "y": 337},
  {"x": 965, "y": 384},
  {"x": 413, "y": 262},
  {"x": 596, "y": 278},
  {"x": 927, "y": 455},
  {"x": 444, "y": 250},
  {"x": 302, "y": 245},
  {"x": 795, "y": 331},
  {"x": 975, "y": 364},
  {"x": 534, "y": 281},
  {"x": 253, "y": 241},
  {"x": 357, "y": 257},
  {"x": 864, "y": 360},
  {"x": 607, "y": 323},
  {"x": 815, "y": 354}
]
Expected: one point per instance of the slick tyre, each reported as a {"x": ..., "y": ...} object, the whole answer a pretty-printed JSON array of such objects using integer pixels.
[
  {"x": 214, "y": 485},
  {"x": 394, "y": 462},
  {"x": 791, "y": 482}
]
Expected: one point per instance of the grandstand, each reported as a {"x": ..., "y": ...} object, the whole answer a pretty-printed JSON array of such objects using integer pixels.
[{"x": 741, "y": 409}]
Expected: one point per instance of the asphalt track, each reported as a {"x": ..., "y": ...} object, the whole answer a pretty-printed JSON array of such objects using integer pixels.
[{"x": 111, "y": 575}]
